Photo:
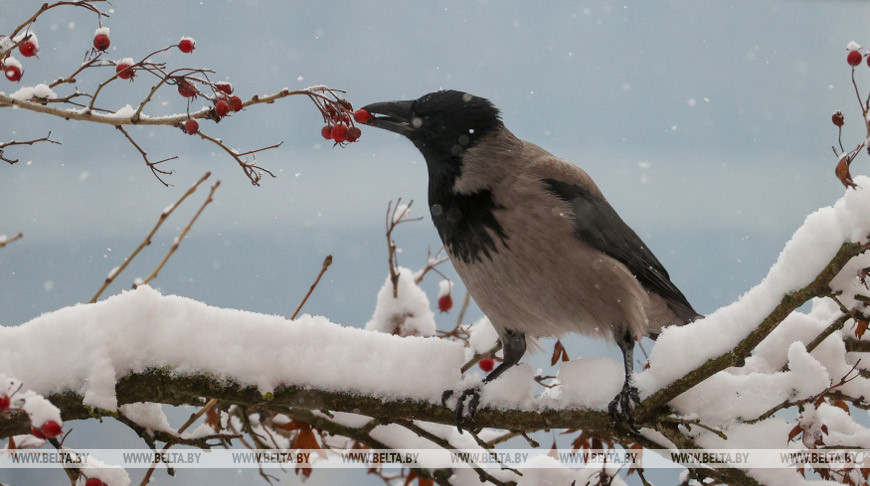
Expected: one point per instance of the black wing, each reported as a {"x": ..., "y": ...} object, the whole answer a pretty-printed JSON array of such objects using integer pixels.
[{"x": 598, "y": 225}]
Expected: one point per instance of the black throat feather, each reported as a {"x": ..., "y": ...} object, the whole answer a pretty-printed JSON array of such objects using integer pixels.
[{"x": 466, "y": 222}]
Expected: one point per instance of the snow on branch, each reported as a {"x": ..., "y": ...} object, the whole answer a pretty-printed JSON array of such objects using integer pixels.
[{"x": 760, "y": 351}]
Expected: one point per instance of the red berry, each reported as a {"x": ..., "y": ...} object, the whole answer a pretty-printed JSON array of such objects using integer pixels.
[
  {"x": 191, "y": 126},
  {"x": 326, "y": 132},
  {"x": 186, "y": 45},
  {"x": 5, "y": 402},
  {"x": 186, "y": 89},
  {"x": 854, "y": 58},
  {"x": 353, "y": 133},
  {"x": 125, "y": 71},
  {"x": 339, "y": 133},
  {"x": 235, "y": 103},
  {"x": 13, "y": 73},
  {"x": 445, "y": 303},
  {"x": 837, "y": 118},
  {"x": 51, "y": 429},
  {"x": 222, "y": 108},
  {"x": 36, "y": 433},
  {"x": 95, "y": 482},
  {"x": 225, "y": 87},
  {"x": 101, "y": 42},
  {"x": 28, "y": 49},
  {"x": 486, "y": 364},
  {"x": 362, "y": 116}
]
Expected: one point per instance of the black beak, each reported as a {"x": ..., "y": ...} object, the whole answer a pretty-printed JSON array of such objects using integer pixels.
[{"x": 394, "y": 116}]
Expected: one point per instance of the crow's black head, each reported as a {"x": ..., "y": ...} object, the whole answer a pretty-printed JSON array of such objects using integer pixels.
[{"x": 441, "y": 124}]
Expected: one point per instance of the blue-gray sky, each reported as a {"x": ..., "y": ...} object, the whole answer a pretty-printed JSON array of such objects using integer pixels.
[{"x": 707, "y": 125}]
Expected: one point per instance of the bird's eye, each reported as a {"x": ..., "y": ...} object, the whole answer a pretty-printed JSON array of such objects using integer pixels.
[{"x": 416, "y": 122}]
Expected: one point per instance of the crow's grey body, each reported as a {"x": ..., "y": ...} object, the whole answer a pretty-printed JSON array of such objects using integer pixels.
[
  {"x": 535, "y": 242},
  {"x": 541, "y": 278}
]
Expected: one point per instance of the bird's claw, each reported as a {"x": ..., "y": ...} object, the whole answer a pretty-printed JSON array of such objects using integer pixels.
[
  {"x": 463, "y": 411},
  {"x": 622, "y": 406}
]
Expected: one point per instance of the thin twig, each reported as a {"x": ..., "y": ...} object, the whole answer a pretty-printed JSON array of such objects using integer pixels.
[
  {"x": 326, "y": 263},
  {"x": 10, "y": 143},
  {"x": 445, "y": 444},
  {"x": 5, "y": 241},
  {"x": 190, "y": 421},
  {"x": 151, "y": 165},
  {"x": 251, "y": 169},
  {"x": 788, "y": 404},
  {"x": 465, "y": 302},
  {"x": 147, "y": 241},
  {"x": 180, "y": 237},
  {"x": 431, "y": 263},
  {"x": 396, "y": 215}
]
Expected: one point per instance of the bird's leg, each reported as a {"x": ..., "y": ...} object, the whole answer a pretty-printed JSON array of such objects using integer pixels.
[
  {"x": 622, "y": 406},
  {"x": 514, "y": 345}
]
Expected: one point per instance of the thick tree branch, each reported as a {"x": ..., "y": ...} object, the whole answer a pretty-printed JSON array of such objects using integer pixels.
[
  {"x": 163, "y": 386},
  {"x": 655, "y": 403}
]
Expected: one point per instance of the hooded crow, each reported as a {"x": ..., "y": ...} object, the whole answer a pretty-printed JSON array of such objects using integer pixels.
[{"x": 537, "y": 245}]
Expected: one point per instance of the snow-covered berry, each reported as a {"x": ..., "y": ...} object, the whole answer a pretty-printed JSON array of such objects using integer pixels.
[
  {"x": 186, "y": 45},
  {"x": 837, "y": 118},
  {"x": 339, "y": 132},
  {"x": 12, "y": 72},
  {"x": 353, "y": 133},
  {"x": 28, "y": 48},
  {"x": 235, "y": 103},
  {"x": 326, "y": 132},
  {"x": 186, "y": 89},
  {"x": 125, "y": 69},
  {"x": 222, "y": 108},
  {"x": 362, "y": 116},
  {"x": 95, "y": 482},
  {"x": 225, "y": 87},
  {"x": 854, "y": 58},
  {"x": 101, "y": 42},
  {"x": 486, "y": 364},
  {"x": 191, "y": 126}
]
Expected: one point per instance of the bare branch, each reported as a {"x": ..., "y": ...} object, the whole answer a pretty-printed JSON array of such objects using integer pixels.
[
  {"x": 251, "y": 169},
  {"x": 151, "y": 165},
  {"x": 147, "y": 241},
  {"x": 5, "y": 241},
  {"x": 10, "y": 143},
  {"x": 326, "y": 263},
  {"x": 180, "y": 237}
]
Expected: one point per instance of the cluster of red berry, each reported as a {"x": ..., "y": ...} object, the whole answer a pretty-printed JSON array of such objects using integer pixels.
[
  {"x": 12, "y": 67},
  {"x": 339, "y": 126},
  {"x": 224, "y": 101},
  {"x": 48, "y": 430}
]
